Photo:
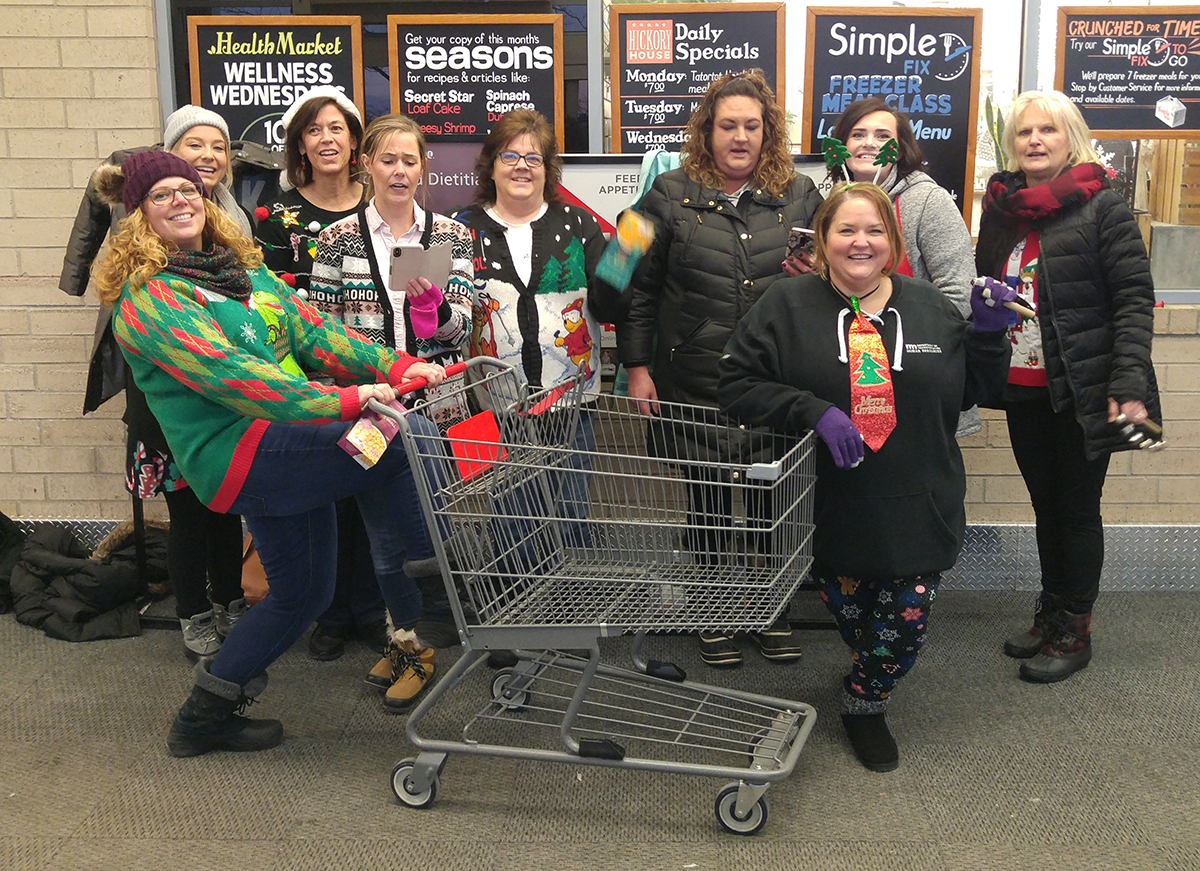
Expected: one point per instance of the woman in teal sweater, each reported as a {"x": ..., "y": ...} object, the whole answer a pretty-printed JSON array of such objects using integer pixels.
[{"x": 220, "y": 347}]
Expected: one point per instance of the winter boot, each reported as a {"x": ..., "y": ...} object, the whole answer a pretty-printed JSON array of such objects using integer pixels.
[
  {"x": 872, "y": 741},
  {"x": 200, "y": 636},
  {"x": 404, "y": 671},
  {"x": 228, "y": 615},
  {"x": 1068, "y": 648},
  {"x": 209, "y": 718},
  {"x": 1025, "y": 644},
  {"x": 436, "y": 626}
]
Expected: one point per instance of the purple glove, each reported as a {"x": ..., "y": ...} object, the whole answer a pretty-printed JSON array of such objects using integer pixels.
[
  {"x": 423, "y": 311},
  {"x": 988, "y": 296},
  {"x": 843, "y": 438}
]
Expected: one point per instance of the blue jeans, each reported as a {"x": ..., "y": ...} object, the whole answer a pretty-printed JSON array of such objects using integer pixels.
[{"x": 299, "y": 472}]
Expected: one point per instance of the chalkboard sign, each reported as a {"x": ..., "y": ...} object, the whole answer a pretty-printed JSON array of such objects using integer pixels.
[
  {"x": 921, "y": 62},
  {"x": 663, "y": 58},
  {"x": 1133, "y": 71},
  {"x": 249, "y": 69},
  {"x": 455, "y": 75}
]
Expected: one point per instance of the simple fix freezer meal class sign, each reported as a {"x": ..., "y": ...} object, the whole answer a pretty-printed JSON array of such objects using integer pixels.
[
  {"x": 921, "y": 62},
  {"x": 1133, "y": 71},
  {"x": 456, "y": 75},
  {"x": 665, "y": 56},
  {"x": 250, "y": 68}
]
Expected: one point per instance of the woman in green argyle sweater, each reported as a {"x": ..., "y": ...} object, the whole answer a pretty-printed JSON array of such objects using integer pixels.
[{"x": 220, "y": 347}]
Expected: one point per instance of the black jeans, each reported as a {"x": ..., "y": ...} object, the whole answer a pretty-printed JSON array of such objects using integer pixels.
[
  {"x": 203, "y": 548},
  {"x": 1065, "y": 488}
]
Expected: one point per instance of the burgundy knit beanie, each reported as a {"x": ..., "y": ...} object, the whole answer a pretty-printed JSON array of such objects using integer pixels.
[{"x": 144, "y": 169}]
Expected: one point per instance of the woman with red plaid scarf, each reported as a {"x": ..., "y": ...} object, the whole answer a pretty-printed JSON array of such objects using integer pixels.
[{"x": 1081, "y": 384}]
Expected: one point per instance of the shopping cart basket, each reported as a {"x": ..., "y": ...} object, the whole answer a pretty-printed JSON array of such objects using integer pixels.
[{"x": 559, "y": 518}]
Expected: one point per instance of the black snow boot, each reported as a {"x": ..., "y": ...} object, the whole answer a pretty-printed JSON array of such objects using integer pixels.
[
  {"x": 209, "y": 718},
  {"x": 1023, "y": 645}
]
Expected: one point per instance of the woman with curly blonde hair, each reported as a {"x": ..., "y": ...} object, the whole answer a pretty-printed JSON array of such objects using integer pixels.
[
  {"x": 222, "y": 350},
  {"x": 721, "y": 231},
  {"x": 137, "y": 252}
]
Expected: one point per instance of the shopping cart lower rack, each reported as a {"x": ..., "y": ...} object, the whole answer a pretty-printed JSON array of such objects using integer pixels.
[{"x": 559, "y": 518}]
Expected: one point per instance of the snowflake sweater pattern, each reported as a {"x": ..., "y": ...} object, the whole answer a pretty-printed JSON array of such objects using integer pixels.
[{"x": 216, "y": 371}]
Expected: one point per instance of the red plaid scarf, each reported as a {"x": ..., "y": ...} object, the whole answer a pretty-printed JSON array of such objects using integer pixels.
[{"x": 1022, "y": 206}]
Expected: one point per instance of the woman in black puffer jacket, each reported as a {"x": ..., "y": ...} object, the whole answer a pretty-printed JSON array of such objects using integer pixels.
[
  {"x": 1081, "y": 384},
  {"x": 721, "y": 231}
]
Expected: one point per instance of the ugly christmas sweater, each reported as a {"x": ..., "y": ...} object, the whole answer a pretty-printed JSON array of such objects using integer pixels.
[
  {"x": 217, "y": 371},
  {"x": 550, "y": 326}
]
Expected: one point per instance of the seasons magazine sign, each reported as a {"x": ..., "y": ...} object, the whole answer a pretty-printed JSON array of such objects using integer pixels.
[
  {"x": 456, "y": 75},
  {"x": 250, "y": 69},
  {"x": 665, "y": 56}
]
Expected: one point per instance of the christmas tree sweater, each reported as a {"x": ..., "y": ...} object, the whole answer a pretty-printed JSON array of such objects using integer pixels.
[
  {"x": 217, "y": 371},
  {"x": 549, "y": 327}
]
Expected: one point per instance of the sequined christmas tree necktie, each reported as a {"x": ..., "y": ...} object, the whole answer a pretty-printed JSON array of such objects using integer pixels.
[{"x": 872, "y": 403}]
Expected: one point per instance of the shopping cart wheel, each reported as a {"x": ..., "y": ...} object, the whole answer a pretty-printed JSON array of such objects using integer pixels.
[
  {"x": 727, "y": 816},
  {"x": 402, "y": 786},
  {"x": 508, "y": 698},
  {"x": 769, "y": 750}
]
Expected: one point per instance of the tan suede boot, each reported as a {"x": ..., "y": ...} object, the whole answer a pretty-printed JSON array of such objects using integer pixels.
[{"x": 404, "y": 670}]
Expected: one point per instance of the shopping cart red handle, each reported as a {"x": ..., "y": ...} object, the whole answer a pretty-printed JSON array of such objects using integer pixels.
[{"x": 418, "y": 383}]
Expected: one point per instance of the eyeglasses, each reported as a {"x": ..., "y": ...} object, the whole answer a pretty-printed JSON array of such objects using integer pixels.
[
  {"x": 510, "y": 158},
  {"x": 163, "y": 196}
]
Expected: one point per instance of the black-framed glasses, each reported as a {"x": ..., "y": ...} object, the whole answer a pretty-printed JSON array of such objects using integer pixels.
[
  {"x": 162, "y": 196},
  {"x": 510, "y": 158}
]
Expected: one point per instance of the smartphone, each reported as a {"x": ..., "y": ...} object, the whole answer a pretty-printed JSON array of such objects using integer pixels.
[
  {"x": 800, "y": 241},
  {"x": 409, "y": 261}
]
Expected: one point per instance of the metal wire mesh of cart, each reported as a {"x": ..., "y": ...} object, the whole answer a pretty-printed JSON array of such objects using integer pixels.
[
  {"x": 645, "y": 717},
  {"x": 559, "y": 509}
]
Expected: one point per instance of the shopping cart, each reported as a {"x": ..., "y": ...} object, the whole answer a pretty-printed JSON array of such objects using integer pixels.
[{"x": 560, "y": 518}]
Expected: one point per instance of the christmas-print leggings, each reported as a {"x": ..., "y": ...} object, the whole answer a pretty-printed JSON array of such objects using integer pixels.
[{"x": 883, "y": 622}]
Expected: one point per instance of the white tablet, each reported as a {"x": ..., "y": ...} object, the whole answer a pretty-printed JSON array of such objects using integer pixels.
[{"x": 409, "y": 261}]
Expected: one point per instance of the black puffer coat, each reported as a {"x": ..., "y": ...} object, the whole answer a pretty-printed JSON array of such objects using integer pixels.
[
  {"x": 709, "y": 263},
  {"x": 1095, "y": 309}
]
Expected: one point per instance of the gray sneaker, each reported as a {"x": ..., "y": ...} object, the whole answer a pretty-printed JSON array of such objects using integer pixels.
[
  {"x": 227, "y": 617},
  {"x": 200, "y": 637}
]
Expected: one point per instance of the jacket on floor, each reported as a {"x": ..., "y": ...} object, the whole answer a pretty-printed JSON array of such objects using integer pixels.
[{"x": 58, "y": 588}]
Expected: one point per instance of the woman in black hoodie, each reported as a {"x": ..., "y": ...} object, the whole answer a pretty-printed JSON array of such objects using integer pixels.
[{"x": 879, "y": 365}]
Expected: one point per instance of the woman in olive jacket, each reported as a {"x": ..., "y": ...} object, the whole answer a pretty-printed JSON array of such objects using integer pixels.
[{"x": 1081, "y": 384}]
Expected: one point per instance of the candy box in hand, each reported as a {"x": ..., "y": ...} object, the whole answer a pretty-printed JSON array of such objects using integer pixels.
[
  {"x": 632, "y": 240},
  {"x": 368, "y": 437}
]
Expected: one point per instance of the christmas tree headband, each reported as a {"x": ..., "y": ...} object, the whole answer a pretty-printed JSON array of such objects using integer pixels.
[{"x": 836, "y": 155}]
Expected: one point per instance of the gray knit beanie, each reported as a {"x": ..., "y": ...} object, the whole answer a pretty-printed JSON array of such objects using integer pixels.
[{"x": 185, "y": 118}]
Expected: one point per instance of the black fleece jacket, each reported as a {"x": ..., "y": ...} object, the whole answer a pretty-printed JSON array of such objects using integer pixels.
[{"x": 900, "y": 512}]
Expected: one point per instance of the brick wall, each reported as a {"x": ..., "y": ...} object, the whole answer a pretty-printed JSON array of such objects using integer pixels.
[
  {"x": 77, "y": 82},
  {"x": 1157, "y": 488}
]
